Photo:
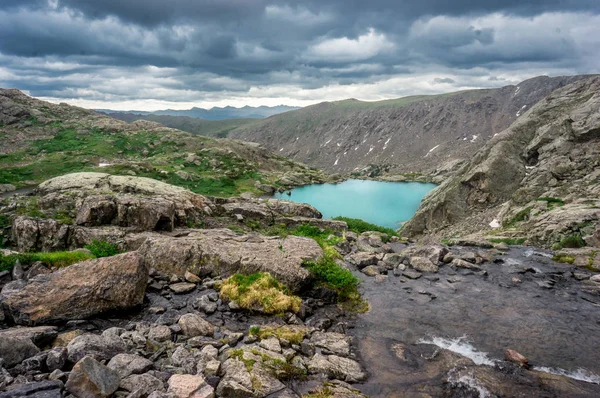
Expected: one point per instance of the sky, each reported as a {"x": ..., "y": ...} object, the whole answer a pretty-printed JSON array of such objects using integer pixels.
[{"x": 158, "y": 54}]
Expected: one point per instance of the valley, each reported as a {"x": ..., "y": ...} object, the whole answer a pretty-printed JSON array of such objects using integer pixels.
[{"x": 144, "y": 261}]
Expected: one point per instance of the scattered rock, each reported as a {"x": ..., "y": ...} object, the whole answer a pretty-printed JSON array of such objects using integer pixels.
[
  {"x": 189, "y": 386},
  {"x": 423, "y": 264},
  {"x": 182, "y": 287},
  {"x": 142, "y": 384},
  {"x": 193, "y": 325},
  {"x": 42, "y": 389},
  {"x": 102, "y": 348},
  {"x": 514, "y": 356},
  {"x": 412, "y": 274},
  {"x": 90, "y": 379},
  {"x": 128, "y": 364}
]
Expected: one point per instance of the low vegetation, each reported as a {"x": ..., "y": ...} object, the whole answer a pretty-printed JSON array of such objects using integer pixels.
[
  {"x": 551, "y": 201},
  {"x": 563, "y": 258},
  {"x": 521, "y": 216},
  {"x": 51, "y": 259},
  {"x": 359, "y": 226},
  {"x": 101, "y": 248},
  {"x": 294, "y": 335},
  {"x": 574, "y": 241},
  {"x": 508, "y": 241},
  {"x": 260, "y": 292}
]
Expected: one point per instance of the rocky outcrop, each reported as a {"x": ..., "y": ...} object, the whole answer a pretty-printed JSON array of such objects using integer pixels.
[
  {"x": 80, "y": 291},
  {"x": 550, "y": 153},
  {"x": 135, "y": 202},
  {"x": 221, "y": 252}
]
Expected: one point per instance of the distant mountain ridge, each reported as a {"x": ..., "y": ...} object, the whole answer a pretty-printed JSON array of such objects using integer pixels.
[
  {"x": 215, "y": 113},
  {"x": 418, "y": 134}
]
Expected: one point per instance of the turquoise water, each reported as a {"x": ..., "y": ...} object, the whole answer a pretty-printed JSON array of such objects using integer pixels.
[{"x": 382, "y": 203}]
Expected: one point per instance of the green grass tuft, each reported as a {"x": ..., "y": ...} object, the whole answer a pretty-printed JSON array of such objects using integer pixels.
[
  {"x": 101, "y": 248},
  {"x": 508, "y": 241},
  {"x": 260, "y": 292},
  {"x": 51, "y": 259},
  {"x": 359, "y": 226},
  {"x": 572, "y": 242},
  {"x": 329, "y": 274},
  {"x": 563, "y": 258},
  {"x": 551, "y": 201}
]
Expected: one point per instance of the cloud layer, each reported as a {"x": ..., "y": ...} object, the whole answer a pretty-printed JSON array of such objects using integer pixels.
[{"x": 150, "y": 54}]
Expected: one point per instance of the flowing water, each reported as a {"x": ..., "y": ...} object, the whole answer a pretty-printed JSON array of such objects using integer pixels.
[
  {"x": 382, "y": 203},
  {"x": 544, "y": 315}
]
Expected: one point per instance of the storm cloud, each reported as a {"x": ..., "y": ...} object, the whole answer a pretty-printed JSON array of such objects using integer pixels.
[{"x": 151, "y": 54}]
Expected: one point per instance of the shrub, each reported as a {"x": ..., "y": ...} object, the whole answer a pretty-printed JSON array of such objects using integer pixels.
[
  {"x": 51, "y": 259},
  {"x": 101, "y": 248},
  {"x": 572, "y": 242},
  {"x": 359, "y": 226},
  {"x": 551, "y": 201},
  {"x": 260, "y": 292},
  {"x": 328, "y": 273}
]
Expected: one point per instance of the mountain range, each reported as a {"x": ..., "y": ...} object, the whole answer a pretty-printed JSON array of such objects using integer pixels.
[{"x": 216, "y": 113}]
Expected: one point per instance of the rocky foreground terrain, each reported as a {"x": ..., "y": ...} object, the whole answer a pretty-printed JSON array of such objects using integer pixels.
[
  {"x": 157, "y": 320},
  {"x": 411, "y": 136}
]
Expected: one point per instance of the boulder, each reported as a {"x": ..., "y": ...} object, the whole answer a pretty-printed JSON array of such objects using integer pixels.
[
  {"x": 14, "y": 350},
  {"x": 90, "y": 379},
  {"x": 220, "y": 251},
  {"x": 80, "y": 291},
  {"x": 334, "y": 343},
  {"x": 337, "y": 367},
  {"x": 100, "y": 347},
  {"x": 189, "y": 386},
  {"x": 142, "y": 384},
  {"x": 434, "y": 253},
  {"x": 236, "y": 381},
  {"x": 128, "y": 364},
  {"x": 193, "y": 325},
  {"x": 423, "y": 264},
  {"x": 42, "y": 389}
]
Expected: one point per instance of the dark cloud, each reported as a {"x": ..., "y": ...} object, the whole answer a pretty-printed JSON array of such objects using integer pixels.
[{"x": 211, "y": 50}]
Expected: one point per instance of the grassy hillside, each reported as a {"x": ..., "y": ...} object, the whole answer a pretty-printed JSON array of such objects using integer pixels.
[
  {"x": 208, "y": 128},
  {"x": 42, "y": 140}
]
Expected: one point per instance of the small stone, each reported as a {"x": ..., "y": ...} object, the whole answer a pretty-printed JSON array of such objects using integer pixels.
[
  {"x": 63, "y": 339},
  {"x": 191, "y": 278},
  {"x": 205, "y": 304},
  {"x": 514, "y": 356},
  {"x": 271, "y": 344},
  {"x": 160, "y": 333},
  {"x": 380, "y": 278},
  {"x": 370, "y": 270},
  {"x": 189, "y": 386},
  {"x": 89, "y": 378},
  {"x": 56, "y": 358},
  {"x": 193, "y": 325},
  {"x": 212, "y": 368},
  {"x": 156, "y": 310},
  {"x": 182, "y": 287},
  {"x": 411, "y": 274},
  {"x": 128, "y": 364},
  {"x": 143, "y": 384}
]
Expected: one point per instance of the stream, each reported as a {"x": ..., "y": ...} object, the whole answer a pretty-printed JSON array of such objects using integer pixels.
[{"x": 526, "y": 302}]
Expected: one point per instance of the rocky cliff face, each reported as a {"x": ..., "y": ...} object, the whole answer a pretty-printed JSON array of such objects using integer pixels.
[
  {"x": 539, "y": 179},
  {"x": 413, "y": 134}
]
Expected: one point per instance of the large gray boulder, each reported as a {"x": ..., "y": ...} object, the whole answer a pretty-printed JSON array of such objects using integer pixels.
[
  {"x": 219, "y": 252},
  {"x": 80, "y": 291}
]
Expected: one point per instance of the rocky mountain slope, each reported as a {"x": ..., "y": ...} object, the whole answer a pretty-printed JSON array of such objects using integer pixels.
[
  {"x": 418, "y": 134},
  {"x": 539, "y": 179},
  {"x": 40, "y": 140}
]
